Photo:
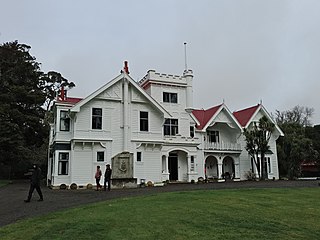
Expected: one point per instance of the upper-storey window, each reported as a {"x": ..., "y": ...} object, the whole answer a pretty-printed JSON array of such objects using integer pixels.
[
  {"x": 192, "y": 131},
  {"x": 144, "y": 121},
  {"x": 64, "y": 121},
  {"x": 96, "y": 118},
  {"x": 170, "y": 127},
  {"x": 170, "y": 97},
  {"x": 213, "y": 136}
]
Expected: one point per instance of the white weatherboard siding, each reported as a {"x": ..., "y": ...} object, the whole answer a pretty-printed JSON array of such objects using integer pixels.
[
  {"x": 155, "y": 123},
  {"x": 83, "y": 165},
  {"x": 152, "y": 165},
  {"x": 121, "y": 100}
]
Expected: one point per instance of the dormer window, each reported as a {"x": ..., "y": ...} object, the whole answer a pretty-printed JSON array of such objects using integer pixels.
[{"x": 170, "y": 97}]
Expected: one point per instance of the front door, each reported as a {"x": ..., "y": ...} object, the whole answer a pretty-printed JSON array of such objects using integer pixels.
[{"x": 173, "y": 167}]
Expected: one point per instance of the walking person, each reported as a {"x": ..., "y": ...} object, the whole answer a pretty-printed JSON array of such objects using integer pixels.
[
  {"x": 98, "y": 177},
  {"x": 35, "y": 183},
  {"x": 107, "y": 177}
]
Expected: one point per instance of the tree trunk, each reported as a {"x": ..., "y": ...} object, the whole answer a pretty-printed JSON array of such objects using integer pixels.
[{"x": 263, "y": 172}]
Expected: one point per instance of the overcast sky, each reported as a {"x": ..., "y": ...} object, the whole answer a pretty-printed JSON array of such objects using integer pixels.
[{"x": 241, "y": 51}]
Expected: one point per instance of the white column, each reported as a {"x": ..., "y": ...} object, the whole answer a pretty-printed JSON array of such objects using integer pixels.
[
  {"x": 167, "y": 163},
  {"x": 236, "y": 171},
  {"x": 219, "y": 170},
  {"x": 189, "y": 163},
  {"x": 165, "y": 174}
]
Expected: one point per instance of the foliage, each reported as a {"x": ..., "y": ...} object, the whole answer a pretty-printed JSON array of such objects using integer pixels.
[
  {"x": 250, "y": 176},
  {"x": 52, "y": 84},
  {"x": 297, "y": 115},
  {"x": 23, "y": 91},
  {"x": 216, "y": 214},
  {"x": 21, "y": 116},
  {"x": 313, "y": 133},
  {"x": 257, "y": 143},
  {"x": 296, "y": 146}
]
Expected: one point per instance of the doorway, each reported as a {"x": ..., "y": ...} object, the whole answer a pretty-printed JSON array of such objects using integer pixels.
[{"x": 173, "y": 166}]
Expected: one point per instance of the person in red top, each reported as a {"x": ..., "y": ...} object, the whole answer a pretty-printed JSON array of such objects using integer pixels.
[{"x": 98, "y": 177}]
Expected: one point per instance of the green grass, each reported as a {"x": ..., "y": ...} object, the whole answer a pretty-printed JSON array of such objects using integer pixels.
[
  {"x": 216, "y": 214},
  {"x": 4, "y": 182}
]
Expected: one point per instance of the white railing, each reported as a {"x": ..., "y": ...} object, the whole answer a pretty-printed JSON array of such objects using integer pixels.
[{"x": 222, "y": 146}]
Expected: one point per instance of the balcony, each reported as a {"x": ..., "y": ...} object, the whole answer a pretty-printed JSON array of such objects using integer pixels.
[{"x": 222, "y": 146}]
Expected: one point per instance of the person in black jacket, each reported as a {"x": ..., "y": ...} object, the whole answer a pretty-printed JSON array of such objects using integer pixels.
[
  {"x": 35, "y": 183},
  {"x": 107, "y": 177}
]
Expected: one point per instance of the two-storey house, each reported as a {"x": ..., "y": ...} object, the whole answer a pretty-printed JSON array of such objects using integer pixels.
[{"x": 154, "y": 120}]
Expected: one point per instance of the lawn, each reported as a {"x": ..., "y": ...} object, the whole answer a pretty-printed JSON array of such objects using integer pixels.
[{"x": 215, "y": 214}]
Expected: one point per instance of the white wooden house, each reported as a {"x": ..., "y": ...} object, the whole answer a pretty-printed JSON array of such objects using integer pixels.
[{"x": 154, "y": 120}]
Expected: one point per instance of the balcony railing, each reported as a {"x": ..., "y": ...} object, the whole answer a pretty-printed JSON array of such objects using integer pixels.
[{"x": 226, "y": 146}]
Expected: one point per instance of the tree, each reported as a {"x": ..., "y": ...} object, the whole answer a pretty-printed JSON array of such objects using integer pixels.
[
  {"x": 257, "y": 143},
  {"x": 295, "y": 147},
  {"x": 299, "y": 115},
  {"x": 21, "y": 99},
  {"x": 53, "y": 83},
  {"x": 23, "y": 130},
  {"x": 313, "y": 133}
]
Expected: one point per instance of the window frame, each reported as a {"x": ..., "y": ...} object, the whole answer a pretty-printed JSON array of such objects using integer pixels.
[
  {"x": 269, "y": 165},
  {"x": 63, "y": 120},
  {"x": 213, "y": 136},
  {"x": 139, "y": 157},
  {"x": 94, "y": 117},
  {"x": 61, "y": 162},
  {"x": 144, "y": 122},
  {"x": 98, "y": 153},
  {"x": 173, "y": 125},
  {"x": 192, "y": 164},
  {"x": 192, "y": 131},
  {"x": 170, "y": 97}
]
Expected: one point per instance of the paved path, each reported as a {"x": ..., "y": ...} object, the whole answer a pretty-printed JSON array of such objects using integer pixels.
[{"x": 13, "y": 208}]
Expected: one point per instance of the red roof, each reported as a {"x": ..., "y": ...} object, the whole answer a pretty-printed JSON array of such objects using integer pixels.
[
  {"x": 243, "y": 116},
  {"x": 203, "y": 116},
  {"x": 70, "y": 100}
]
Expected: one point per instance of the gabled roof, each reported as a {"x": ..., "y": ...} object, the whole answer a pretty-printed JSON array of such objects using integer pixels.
[
  {"x": 205, "y": 117},
  {"x": 245, "y": 116},
  {"x": 123, "y": 75}
]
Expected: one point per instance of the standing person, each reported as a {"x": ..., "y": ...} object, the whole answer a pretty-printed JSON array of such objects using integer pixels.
[
  {"x": 107, "y": 177},
  {"x": 98, "y": 177},
  {"x": 35, "y": 183}
]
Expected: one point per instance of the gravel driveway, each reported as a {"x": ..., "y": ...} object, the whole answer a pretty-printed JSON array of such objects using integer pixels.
[{"x": 13, "y": 208}]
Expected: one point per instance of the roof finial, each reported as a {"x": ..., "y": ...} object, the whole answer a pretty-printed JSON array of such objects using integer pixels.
[
  {"x": 260, "y": 101},
  {"x": 126, "y": 68}
]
